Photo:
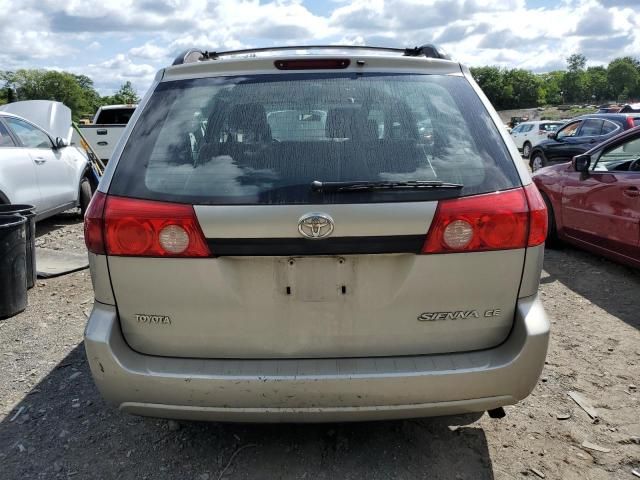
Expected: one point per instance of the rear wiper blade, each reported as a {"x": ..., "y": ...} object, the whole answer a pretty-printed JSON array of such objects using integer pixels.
[{"x": 360, "y": 186}]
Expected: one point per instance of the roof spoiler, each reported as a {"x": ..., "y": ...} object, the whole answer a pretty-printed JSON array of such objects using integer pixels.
[{"x": 193, "y": 55}]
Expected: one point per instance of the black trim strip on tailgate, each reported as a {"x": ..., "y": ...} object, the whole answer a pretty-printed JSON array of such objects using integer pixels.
[{"x": 327, "y": 246}]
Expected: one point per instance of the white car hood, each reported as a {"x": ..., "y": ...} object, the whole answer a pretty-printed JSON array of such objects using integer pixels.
[{"x": 53, "y": 117}]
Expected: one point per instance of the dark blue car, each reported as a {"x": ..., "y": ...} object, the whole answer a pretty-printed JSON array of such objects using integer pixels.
[{"x": 579, "y": 135}]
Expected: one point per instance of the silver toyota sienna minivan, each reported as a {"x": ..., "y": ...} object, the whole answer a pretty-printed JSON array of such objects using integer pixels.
[{"x": 315, "y": 234}]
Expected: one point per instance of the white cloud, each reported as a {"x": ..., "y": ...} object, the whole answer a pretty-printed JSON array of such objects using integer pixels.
[
  {"x": 149, "y": 51},
  {"x": 123, "y": 40}
]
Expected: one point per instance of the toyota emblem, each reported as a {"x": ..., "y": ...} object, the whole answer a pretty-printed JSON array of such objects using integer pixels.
[{"x": 315, "y": 226}]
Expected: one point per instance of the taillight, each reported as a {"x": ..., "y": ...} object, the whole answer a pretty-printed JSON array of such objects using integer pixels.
[
  {"x": 145, "y": 228},
  {"x": 538, "y": 219},
  {"x": 93, "y": 224},
  {"x": 495, "y": 221},
  {"x": 630, "y": 122},
  {"x": 541, "y": 132}
]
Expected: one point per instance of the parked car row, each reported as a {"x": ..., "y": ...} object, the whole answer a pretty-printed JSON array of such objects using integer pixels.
[
  {"x": 578, "y": 136},
  {"x": 528, "y": 134},
  {"x": 544, "y": 142}
]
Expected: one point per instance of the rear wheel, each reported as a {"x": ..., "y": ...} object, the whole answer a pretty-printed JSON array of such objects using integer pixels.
[
  {"x": 85, "y": 195},
  {"x": 537, "y": 161},
  {"x": 526, "y": 149}
]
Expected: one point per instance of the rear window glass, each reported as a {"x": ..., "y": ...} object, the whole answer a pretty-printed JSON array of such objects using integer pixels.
[
  {"x": 115, "y": 116},
  {"x": 608, "y": 127},
  {"x": 591, "y": 128},
  {"x": 263, "y": 139}
]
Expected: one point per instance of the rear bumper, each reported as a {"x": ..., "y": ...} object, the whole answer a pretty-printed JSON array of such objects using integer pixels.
[{"x": 317, "y": 389}]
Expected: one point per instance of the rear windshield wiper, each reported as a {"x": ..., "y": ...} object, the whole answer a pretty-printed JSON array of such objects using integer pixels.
[{"x": 363, "y": 186}]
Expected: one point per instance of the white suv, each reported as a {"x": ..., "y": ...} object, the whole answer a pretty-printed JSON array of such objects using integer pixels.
[
  {"x": 39, "y": 167},
  {"x": 315, "y": 234},
  {"x": 529, "y": 134}
]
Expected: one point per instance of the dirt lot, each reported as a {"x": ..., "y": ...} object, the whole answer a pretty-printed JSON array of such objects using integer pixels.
[{"x": 53, "y": 423}]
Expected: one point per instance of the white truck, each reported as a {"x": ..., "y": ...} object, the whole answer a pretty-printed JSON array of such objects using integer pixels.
[{"x": 106, "y": 128}]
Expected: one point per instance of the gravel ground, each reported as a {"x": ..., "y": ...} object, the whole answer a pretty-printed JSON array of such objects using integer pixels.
[{"x": 53, "y": 423}]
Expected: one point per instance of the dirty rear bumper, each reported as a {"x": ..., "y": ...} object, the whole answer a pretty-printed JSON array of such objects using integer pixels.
[{"x": 309, "y": 390}]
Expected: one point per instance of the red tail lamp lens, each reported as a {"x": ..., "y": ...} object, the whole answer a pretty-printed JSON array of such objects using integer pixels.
[
  {"x": 538, "y": 224},
  {"x": 93, "y": 224},
  {"x": 144, "y": 228},
  {"x": 494, "y": 221}
]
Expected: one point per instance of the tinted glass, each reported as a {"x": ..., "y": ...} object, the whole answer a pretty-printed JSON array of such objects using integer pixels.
[
  {"x": 609, "y": 127},
  {"x": 591, "y": 128},
  {"x": 115, "y": 116},
  {"x": 550, "y": 127},
  {"x": 5, "y": 138},
  {"x": 30, "y": 136},
  {"x": 527, "y": 128},
  {"x": 264, "y": 139}
]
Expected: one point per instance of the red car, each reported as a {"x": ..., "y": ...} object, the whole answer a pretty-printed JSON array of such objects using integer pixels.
[{"x": 594, "y": 201}]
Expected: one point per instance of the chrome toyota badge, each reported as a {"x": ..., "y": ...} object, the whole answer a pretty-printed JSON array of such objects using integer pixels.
[{"x": 315, "y": 225}]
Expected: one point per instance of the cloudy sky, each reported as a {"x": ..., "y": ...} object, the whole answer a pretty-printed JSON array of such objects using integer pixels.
[{"x": 117, "y": 40}]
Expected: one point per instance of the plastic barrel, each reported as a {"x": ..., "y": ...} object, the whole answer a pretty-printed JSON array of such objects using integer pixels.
[
  {"x": 29, "y": 212},
  {"x": 13, "y": 265}
]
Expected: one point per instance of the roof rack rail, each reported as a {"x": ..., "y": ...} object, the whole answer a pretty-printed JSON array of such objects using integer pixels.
[
  {"x": 429, "y": 50},
  {"x": 194, "y": 55}
]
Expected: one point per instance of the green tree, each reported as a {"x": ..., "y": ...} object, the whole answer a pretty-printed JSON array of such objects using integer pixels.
[
  {"x": 550, "y": 87},
  {"x": 492, "y": 82},
  {"x": 623, "y": 77},
  {"x": 574, "y": 83},
  {"x": 576, "y": 62},
  {"x": 75, "y": 91},
  {"x": 524, "y": 86},
  {"x": 126, "y": 94},
  {"x": 598, "y": 83}
]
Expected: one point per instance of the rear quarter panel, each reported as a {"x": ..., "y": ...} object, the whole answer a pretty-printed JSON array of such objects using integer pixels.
[{"x": 550, "y": 182}]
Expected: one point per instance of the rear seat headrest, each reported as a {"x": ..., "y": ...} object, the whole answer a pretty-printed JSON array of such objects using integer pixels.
[
  {"x": 250, "y": 118},
  {"x": 344, "y": 122}
]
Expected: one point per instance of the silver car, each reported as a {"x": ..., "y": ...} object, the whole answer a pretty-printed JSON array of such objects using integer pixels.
[
  {"x": 37, "y": 165},
  {"x": 325, "y": 263}
]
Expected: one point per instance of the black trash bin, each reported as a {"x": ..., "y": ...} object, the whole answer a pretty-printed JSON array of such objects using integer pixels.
[
  {"x": 13, "y": 265},
  {"x": 28, "y": 211}
]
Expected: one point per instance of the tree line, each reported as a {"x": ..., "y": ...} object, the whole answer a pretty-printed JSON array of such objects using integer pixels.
[
  {"x": 76, "y": 91},
  {"x": 508, "y": 89}
]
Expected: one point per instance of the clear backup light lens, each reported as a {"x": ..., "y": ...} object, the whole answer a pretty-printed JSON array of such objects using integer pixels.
[
  {"x": 174, "y": 239},
  {"x": 457, "y": 234}
]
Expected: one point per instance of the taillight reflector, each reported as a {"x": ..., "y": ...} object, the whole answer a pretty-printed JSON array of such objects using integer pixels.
[
  {"x": 496, "y": 221},
  {"x": 144, "y": 228},
  {"x": 93, "y": 224}
]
